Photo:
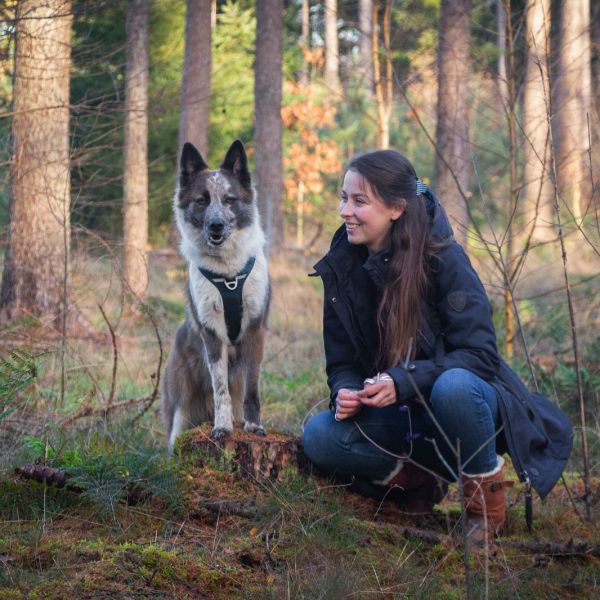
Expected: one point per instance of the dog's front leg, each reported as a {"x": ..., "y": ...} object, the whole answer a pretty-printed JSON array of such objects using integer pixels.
[
  {"x": 216, "y": 353},
  {"x": 255, "y": 341}
]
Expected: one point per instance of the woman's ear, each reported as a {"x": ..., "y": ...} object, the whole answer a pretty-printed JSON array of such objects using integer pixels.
[{"x": 398, "y": 210}]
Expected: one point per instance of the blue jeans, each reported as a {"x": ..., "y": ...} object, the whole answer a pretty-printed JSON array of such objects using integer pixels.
[{"x": 465, "y": 407}]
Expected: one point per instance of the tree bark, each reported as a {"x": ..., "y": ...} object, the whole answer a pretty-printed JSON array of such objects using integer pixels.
[
  {"x": 384, "y": 85},
  {"x": 502, "y": 79},
  {"x": 452, "y": 131},
  {"x": 257, "y": 457},
  {"x": 538, "y": 189},
  {"x": 572, "y": 105},
  {"x": 332, "y": 51},
  {"x": 35, "y": 278},
  {"x": 195, "y": 97},
  {"x": 366, "y": 43},
  {"x": 135, "y": 196},
  {"x": 268, "y": 157}
]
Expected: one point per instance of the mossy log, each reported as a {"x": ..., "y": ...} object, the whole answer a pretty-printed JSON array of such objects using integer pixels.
[{"x": 254, "y": 456}]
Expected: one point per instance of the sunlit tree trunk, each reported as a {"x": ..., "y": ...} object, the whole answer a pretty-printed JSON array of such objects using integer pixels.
[
  {"x": 195, "y": 95},
  {"x": 135, "y": 189},
  {"x": 35, "y": 278},
  {"x": 332, "y": 52},
  {"x": 537, "y": 189},
  {"x": 366, "y": 42},
  {"x": 452, "y": 163},
  {"x": 268, "y": 156},
  {"x": 502, "y": 80},
  {"x": 572, "y": 104},
  {"x": 383, "y": 74}
]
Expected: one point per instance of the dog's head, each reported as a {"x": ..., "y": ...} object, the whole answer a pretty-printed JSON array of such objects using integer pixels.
[{"x": 213, "y": 204}]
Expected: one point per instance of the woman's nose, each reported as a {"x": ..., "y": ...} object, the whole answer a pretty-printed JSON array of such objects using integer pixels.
[{"x": 345, "y": 209}]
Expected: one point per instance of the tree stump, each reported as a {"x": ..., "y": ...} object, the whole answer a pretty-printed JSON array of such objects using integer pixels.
[{"x": 254, "y": 456}]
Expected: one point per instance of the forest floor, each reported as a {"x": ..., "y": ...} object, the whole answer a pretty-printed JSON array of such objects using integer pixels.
[{"x": 129, "y": 525}]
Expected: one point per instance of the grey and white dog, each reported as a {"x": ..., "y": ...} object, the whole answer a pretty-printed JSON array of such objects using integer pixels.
[{"x": 213, "y": 368}]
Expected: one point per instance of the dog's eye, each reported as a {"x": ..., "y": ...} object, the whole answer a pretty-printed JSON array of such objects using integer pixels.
[
  {"x": 204, "y": 199},
  {"x": 230, "y": 199}
]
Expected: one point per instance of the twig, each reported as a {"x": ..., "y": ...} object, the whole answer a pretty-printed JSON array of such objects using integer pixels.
[
  {"x": 154, "y": 394},
  {"x": 111, "y": 395}
]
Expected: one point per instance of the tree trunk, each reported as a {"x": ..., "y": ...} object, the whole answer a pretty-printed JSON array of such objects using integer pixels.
[
  {"x": 572, "y": 105},
  {"x": 502, "y": 80},
  {"x": 595, "y": 40},
  {"x": 266, "y": 457},
  {"x": 195, "y": 96},
  {"x": 452, "y": 163},
  {"x": 383, "y": 74},
  {"x": 305, "y": 75},
  {"x": 35, "y": 278},
  {"x": 366, "y": 43},
  {"x": 538, "y": 191},
  {"x": 268, "y": 157},
  {"x": 135, "y": 196},
  {"x": 332, "y": 52}
]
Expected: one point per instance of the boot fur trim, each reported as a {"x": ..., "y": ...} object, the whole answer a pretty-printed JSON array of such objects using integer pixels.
[
  {"x": 391, "y": 476},
  {"x": 494, "y": 471}
]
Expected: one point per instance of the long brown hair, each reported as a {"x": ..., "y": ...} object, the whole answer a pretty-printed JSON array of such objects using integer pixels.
[{"x": 393, "y": 178}]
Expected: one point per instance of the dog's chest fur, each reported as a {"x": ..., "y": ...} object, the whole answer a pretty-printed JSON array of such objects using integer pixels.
[{"x": 208, "y": 303}]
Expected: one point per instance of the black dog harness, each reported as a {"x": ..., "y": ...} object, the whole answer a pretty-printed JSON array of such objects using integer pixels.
[{"x": 231, "y": 293}]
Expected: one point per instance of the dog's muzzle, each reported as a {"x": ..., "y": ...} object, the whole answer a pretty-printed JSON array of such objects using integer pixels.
[{"x": 217, "y": 233}]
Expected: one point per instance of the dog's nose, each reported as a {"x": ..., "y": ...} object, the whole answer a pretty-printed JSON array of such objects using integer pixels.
[{"x": 216, "y": 227}]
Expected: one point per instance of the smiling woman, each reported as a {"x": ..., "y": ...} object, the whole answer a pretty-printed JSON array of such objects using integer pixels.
[{"x": 416, "y": 382}]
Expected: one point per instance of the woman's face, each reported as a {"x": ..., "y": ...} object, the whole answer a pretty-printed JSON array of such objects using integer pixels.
[{"x": 368, "y": 219}]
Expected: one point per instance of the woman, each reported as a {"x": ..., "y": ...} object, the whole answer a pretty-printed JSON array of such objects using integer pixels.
[{"x": 417, "y": 386}]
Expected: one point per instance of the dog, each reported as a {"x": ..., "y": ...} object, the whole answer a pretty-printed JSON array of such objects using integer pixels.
[{"x": 213, "y": 369}]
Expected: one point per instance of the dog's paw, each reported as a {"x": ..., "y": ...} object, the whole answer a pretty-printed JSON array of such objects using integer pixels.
[
  {"x": 254, "y": 428},
  {"x": 219, "y": 433}
]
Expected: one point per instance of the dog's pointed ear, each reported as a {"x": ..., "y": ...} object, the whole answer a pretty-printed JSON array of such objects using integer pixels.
[
  {"x": 191, "y": 162},
  {"x": 236, "y": 161}
]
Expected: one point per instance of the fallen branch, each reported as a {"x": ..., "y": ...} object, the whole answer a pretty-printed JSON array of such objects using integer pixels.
[
  {"x": 565, "y": 549},
  {"x": 230, "y": 507}
]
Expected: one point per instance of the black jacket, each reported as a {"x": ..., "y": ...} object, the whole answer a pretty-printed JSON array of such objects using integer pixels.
[{"x": 456, "y": 332}]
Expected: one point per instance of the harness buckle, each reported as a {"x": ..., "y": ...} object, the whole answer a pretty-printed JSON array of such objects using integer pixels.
[{"x": 232, "y": 284}]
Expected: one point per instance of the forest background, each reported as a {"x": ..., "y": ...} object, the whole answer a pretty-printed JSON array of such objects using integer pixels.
[{"x": 496, "y": 104}]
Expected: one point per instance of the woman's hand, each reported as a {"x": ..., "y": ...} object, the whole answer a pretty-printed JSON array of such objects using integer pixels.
[
  {"x": 379, "y": 394},
  {"x": 347, "y": 404}
]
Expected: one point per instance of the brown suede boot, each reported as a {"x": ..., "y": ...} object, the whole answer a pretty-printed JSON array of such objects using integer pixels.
[
  {"x": 485, "y": 503},
  {"x": 414, "y": 490}
]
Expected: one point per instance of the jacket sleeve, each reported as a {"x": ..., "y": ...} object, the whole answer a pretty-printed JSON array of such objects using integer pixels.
[
  {"x": 466, "y": 322},
  {"x": 343, "y": 369}
]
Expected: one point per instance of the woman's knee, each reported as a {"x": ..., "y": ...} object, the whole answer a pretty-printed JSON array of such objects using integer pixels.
[
  {"x": 316, "y": 438},
  {"x": 451, "y": 388}
]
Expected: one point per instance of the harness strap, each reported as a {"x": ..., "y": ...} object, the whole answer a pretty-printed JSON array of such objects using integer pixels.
[{"x": 231, "y": 294}]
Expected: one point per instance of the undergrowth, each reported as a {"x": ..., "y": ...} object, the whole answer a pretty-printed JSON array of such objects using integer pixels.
[{"x": 131, "y": 523}]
